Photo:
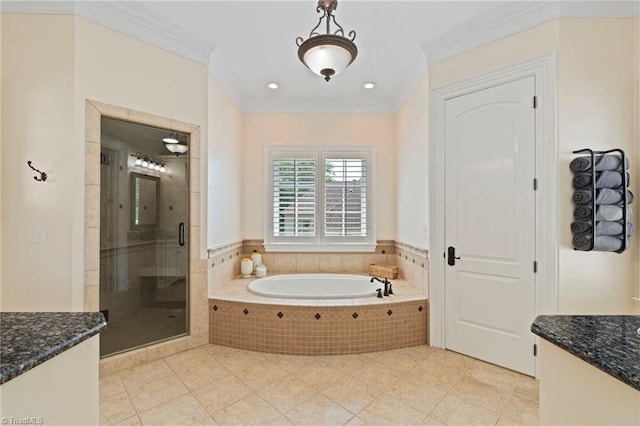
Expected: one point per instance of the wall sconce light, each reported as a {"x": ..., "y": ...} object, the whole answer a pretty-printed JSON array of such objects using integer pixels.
[
  {"x": 149, "y": 162},
  {"x": 176, "y": 143}
]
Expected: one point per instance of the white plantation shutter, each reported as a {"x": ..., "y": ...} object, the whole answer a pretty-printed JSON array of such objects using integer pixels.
[
  {"x": 319, "y": 198},
  {"x": 294, "y": 197},
  {"x": 345, "y": 197}
]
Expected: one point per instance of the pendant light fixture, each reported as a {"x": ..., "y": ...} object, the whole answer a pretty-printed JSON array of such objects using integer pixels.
[
  {"x": 331, "y": 53},
  {"x": 176, "y": 143}
]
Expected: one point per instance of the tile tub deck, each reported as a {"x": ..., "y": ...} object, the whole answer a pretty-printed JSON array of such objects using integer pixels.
[{"x": 243, "y": 320}]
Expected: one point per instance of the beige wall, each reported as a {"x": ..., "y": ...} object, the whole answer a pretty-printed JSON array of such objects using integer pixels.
[
  {"x": 317, "y": 129},
  {"x": 412, "y": 171},
  {"x": 225, "y": 168},
  {"x": 595, "y": 110},
  {"x": 519, "y": 47},
  {"x": 117, "y": 69},
  {"x": 52, "y": 64},
  {"x": 38, "y": 115}
]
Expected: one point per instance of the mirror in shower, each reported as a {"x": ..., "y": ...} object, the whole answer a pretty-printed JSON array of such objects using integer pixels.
[
  {"x": 145, "y": 192},
  {"x": 144, "y": 212}
]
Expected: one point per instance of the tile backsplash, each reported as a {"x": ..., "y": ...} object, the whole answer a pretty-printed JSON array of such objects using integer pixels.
[{"x": 413, "y": 263}]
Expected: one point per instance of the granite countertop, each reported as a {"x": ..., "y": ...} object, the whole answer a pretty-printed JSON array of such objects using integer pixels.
[
  {"x": 28, "y": 339},
  {"x": 610, "y": 343}
]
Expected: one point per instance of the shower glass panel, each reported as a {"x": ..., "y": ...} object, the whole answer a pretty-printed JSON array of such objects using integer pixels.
[{"x": 144, "y": 212}]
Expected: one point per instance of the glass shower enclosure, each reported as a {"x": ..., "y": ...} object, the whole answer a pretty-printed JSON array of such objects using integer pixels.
[{"x": 144, "y": 212}]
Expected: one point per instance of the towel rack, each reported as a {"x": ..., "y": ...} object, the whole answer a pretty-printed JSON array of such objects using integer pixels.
[{"x": 625, "y": 199}]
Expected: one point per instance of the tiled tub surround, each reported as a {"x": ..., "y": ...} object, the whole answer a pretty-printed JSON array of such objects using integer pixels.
[
  {"x": 240, "y": 319},
  {"x": 224, "y": 262}
]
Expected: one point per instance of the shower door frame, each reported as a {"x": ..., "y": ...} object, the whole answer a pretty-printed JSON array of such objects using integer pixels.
[{"x": 197, "y": 327}]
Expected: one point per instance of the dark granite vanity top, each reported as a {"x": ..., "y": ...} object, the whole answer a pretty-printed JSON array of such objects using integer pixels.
[
  {"x": 28, "y": 339},
  {"x": 610, "y": 343}
]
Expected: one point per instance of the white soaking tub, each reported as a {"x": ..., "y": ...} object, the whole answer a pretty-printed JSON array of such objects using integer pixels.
[{"x": 314, "y": 286}]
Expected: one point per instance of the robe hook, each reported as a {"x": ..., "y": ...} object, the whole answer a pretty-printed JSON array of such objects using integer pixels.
[{"x": 43, "y": 175}]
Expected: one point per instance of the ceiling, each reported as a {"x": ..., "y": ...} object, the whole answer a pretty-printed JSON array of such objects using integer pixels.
[
  {"x": 248, "y": 44},
  {"x": 254, "y": 44}
]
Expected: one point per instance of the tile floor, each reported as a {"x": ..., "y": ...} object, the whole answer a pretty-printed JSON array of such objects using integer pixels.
[{"x": 219, "y": 385}]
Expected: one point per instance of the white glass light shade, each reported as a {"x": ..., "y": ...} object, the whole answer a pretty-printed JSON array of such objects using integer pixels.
[
  {"x": 177, "y": 148},
  {"x": 138, "y": 161},
  {"x": 162, "y": 169},
  {"x": 145, "y": 163},
  {"x": 327, "y": 56},
  {"x": 170, "y": 139}
]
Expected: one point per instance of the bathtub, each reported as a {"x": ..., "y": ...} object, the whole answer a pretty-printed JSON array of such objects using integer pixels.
[{"x": 314, "y": 286}]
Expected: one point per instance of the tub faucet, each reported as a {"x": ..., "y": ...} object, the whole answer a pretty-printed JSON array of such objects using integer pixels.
[{"x": 386, "y": 283}]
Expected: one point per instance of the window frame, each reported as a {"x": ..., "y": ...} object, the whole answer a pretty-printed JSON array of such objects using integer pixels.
[{"x": 320, "y": 242}]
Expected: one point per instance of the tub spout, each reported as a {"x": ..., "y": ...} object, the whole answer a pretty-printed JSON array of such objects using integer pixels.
[{"x": 387, "y": 285}]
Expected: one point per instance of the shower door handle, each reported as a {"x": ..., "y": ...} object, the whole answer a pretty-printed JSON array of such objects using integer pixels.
[{"x": 181, "y": 234}]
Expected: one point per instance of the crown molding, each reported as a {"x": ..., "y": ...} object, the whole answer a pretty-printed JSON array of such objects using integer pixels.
[
  {"x": 124, "y": 18},
  {"x": 514, "y": 19},
  {"x": 127, "y": 19},
  {"x": 38, "y": 7},
  {"x": 414, "y": 72},
  {"x": 221, "y": 75}
]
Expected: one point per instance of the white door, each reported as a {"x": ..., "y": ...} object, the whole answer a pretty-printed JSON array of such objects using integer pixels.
[{"x": 490, "y": 222}]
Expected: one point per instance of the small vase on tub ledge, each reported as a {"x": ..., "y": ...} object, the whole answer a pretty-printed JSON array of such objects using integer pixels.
[
  {"x": 261, "y": 270},
  {"x": 246, "y": 267},
  {"x": 256, "y": 258}
]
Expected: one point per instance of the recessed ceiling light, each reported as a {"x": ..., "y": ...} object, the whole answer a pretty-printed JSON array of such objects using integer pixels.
[
  {"x": 273, "y": 86},
  {"x": 369, "y": 85}
]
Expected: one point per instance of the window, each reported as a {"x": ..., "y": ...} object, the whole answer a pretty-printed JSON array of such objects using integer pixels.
[{"x": 319, "y": 198}]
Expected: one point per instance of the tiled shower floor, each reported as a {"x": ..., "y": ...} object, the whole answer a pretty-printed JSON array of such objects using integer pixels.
[
  {"x": 149, "y": 324},
  {"x": 219, "y": 385},
  {"x": 159, "y": 320}
]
